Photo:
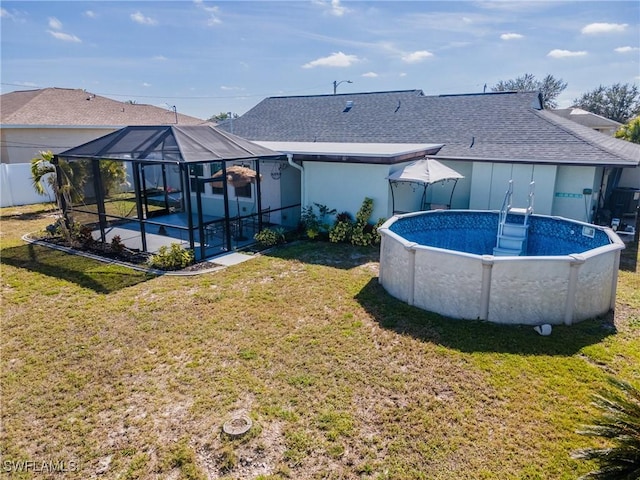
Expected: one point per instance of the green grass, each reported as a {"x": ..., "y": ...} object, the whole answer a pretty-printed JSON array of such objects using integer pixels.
[{"x": 132, "y": 376}]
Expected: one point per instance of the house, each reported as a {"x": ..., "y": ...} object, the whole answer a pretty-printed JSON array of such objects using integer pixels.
[
  {"x": 57, "y": 119},
  {"x": 588, "y": 119},
  {"x": 339, "y": 141}
]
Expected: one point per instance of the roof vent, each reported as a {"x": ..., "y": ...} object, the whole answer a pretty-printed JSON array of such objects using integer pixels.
[{"x": 348, "y": 106}]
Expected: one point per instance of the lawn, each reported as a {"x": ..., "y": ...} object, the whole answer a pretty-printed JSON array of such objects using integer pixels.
[{"x": 110, "y": 373}]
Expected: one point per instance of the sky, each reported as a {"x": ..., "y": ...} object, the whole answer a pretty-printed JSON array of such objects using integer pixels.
[{"x": 208, "y": 57}]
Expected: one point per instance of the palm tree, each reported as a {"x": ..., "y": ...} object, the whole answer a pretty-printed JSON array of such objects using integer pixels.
[
  {"x": 74, "y": 173},
  {"x": 620, "y": 423},
  {"x": 42, "y": 167}
]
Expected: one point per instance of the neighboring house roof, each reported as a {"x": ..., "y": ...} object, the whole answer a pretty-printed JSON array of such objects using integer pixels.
[
  {"x": 496, "y": 126},
  {"x": 169, "y": 143},
  {"x": 76, "y": 107},
  {"x": 587, "y": 119}
]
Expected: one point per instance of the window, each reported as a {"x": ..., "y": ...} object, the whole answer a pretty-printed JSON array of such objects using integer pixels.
[
  {"x": 196, "y": 172},
  {"x": 243, "y": 192},
  {"x": 214, "y": 168}
]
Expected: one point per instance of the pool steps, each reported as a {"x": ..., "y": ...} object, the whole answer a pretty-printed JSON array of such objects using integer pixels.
[
  {"x": 513, "y": 240},
  {"x": 512, "y": 237}
]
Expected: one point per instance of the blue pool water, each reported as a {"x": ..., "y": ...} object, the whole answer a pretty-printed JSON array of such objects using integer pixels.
[{"x": 475, "y": 232}]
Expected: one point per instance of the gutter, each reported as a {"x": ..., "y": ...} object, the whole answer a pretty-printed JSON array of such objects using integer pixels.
[{"x": 303, "y": 199}]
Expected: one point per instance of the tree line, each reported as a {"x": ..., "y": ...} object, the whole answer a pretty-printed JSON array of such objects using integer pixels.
[{"x": 619, "y": 102}]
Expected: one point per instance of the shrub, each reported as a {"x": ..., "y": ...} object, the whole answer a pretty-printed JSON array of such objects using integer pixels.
[
  {"x": 116, "y": 244},
  {"x": 171, "y": 258},
  {"x": 316, "y": 225},
  {"x": 341, "y": 232},
  {"x": 55, "y": 229},
  {"x": 269, "y": 237},
  {"x": 79, "y": 235},
  {"x": 360, "y": 232},
  {"x": 620, "y": 424}
]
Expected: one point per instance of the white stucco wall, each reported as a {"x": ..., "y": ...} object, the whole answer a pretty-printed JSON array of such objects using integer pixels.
[
  {"x": 569, "y": 200},
  {"x": 344, "y": 186},
  {"x": 20, "y": 144}
]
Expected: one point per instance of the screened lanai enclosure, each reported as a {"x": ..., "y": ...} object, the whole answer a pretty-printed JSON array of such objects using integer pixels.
[{"x": 200, "y": 187}]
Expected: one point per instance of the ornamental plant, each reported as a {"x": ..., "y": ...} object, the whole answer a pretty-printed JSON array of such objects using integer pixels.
[
  {"x": 269, "y": 238},
  {"x": 359, "y": 232},
  {"x": 171, "y": 258},
  {"x": 619, "y": 423}
]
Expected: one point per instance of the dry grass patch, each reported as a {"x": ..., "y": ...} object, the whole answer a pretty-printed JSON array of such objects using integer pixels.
[{"x": 133, "y": 376}]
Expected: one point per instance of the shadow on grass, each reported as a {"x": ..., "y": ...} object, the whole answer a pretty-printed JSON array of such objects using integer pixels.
[
  {"x": 475, "y": 335},
  {"x": 87, "y": 273},
  {"x": 29, "y": 212},
  {"x": 336, "y": 255}
]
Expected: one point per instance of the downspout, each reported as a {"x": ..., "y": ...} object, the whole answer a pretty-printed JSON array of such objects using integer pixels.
[{"x": 303, "y": 200}]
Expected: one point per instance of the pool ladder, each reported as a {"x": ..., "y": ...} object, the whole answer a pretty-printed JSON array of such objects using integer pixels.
[{"x": 512, "y": 237}]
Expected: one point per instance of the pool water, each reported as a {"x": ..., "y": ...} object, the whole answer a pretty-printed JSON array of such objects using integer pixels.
[{"x": 475, "y": 233}]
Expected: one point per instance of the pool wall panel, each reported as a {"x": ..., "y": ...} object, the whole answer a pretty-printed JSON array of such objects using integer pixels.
[
  {"x": 529, "y": 290},
  {"x": 438, "y": 286}
]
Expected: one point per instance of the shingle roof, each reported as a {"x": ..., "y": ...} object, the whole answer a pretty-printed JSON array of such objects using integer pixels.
[
  {"x": 75, "y": 107},
  {"x": 586, "y": 118},
  {"x": 500, "y": 126}
]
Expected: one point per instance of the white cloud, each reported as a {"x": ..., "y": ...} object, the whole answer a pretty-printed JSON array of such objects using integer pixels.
[
  {"x": 90, "y": 14},
  {"x": 334, "y": 7},
  {"x": 65, "y": 37},
  {"x": 206, "y": 8},
  {"x": 370, "y": 74},
  {"x": 14, "y": 15},
  {"x": 415, "y": 57},
  {"x": 213, "y": 20},
  {"x": 338, "y": 59},
  {"x": 228, "y": 88},
  {"x": 213, "y": 11},
  {"x": 626, "y": 49},
  {"x": 138, "y": 17},
  {"x": 596, "y": 28},
  {"x": 557, "y": 53},
  {"x": 402, "y": 74},
  {"x": 145, "y": 84},
  {"x": 337, "y": 9},
  {"x": 160, "y": 58},
  {"x": 55, "y": 23},
  {"x": 511, "y": 36}
]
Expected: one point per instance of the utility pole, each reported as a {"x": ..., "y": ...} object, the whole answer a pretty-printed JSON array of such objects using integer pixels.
[{"x": 336, "y": 83}]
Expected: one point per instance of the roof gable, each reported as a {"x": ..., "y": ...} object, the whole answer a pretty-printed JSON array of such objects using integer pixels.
[{"x": 76, "y": 107}]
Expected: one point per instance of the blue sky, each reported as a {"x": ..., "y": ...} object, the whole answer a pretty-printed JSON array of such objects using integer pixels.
[{"x": 207, "y": 57}]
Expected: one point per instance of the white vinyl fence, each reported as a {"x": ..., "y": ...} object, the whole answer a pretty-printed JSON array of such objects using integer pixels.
[{"x": 16, "y": 187}]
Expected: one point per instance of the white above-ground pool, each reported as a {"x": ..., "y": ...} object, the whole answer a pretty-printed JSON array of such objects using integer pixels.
[{"x": 442, "y": 261}]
